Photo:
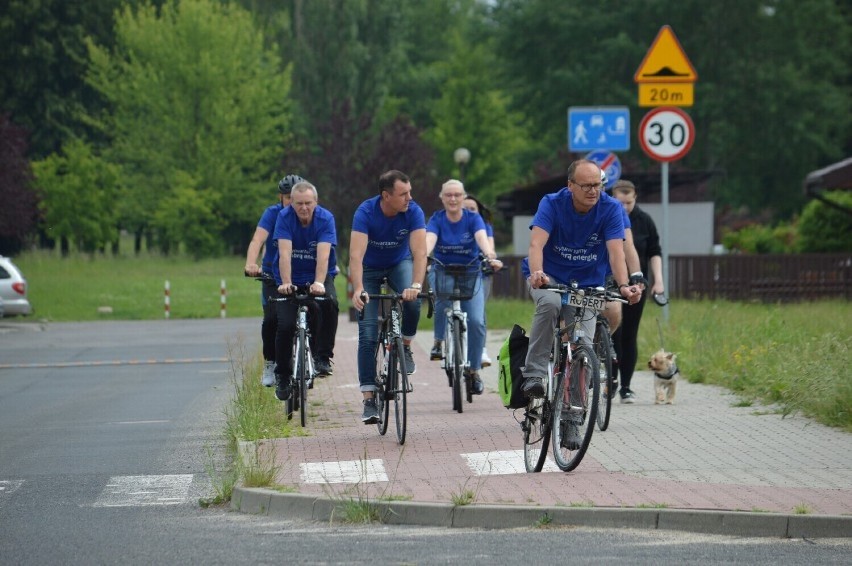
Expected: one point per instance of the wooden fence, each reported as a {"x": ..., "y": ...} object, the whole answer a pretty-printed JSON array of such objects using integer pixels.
[{"x": 768, "y": 278}]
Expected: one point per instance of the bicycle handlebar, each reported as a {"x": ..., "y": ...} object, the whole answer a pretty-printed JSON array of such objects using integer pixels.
[
  {"x": 598, "y": 292},
  {"x": 397, "y": 297}
]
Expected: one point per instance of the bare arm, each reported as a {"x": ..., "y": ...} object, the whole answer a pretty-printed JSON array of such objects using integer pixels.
[
  {"x": 357, "y": 249},
  {"x": 656, "y": 265},
  {"x": 482, "y": 240},
  {"x": 538, "y": 239},
  {"x": 617, "y": 263},
  {"x": 321, "y": 270},
  {"x": 417, "y": 242},
  {"x": 431, "y": 240},
  {"x": 257, "y": 241},
  {"x": 285, "y": 253}
]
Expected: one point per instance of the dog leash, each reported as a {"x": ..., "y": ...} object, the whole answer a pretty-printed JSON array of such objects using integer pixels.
[{"x": 660, "y": 330}]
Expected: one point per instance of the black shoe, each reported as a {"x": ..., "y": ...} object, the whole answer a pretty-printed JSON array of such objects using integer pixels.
[
  {"x": 323, "y": 367},
  {"x": 282, "y": 388},
  {"x": 408, "y": 358},
  {"x": 476, "y": 382},
  {"x": 371, "y": 412},
  {"x": 570, "y": 436},
  {"x": 534, "y": 387},
  {"x": 627, "y": 396},
  {"x": 437, "y": 352}
]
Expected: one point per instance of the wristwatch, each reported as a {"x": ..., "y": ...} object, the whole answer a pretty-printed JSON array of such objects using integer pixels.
[{"x": 417, "y": 286}]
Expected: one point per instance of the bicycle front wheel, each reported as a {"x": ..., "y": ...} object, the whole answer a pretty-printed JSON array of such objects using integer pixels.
[
  {"x": 303, "y": 376},
  {"x": 574, "y": 409},
  {"x": 400, "y": 389},
  {"x": 458, "y": 366},
  {"x": 603, "y": 351},
  {"x": 536, "y": 427},
  {"x": 382, "y": 361}
]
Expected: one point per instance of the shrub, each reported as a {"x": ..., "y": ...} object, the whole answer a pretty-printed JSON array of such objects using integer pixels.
[{"x": 824, "y": 228}]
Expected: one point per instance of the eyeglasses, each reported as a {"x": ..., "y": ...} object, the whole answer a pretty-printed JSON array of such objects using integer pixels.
[
  {"x": 454, "y": 195},
  {"x": 589, "y": 187}
]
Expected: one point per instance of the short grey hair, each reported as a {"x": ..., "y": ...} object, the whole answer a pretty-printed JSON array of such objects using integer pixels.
[
  {"x": 450, "y": 183},
  {"x": 303, "y": 187}
]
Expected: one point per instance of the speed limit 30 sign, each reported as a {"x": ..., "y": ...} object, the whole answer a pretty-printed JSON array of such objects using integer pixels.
[{"x": 666, "y": 133}]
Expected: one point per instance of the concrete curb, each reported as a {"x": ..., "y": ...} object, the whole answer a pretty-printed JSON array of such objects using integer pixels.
[{"x": 271, "y": 503}]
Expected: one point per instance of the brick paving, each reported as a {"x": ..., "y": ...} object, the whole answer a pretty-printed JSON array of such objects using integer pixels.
[{"x": 701, "y": 453}]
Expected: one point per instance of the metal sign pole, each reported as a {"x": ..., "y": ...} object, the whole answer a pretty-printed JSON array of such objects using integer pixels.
[{"x": 664, "y": 173}]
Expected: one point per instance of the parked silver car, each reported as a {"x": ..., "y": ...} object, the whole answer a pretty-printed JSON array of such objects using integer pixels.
[{"x": 13, "y": 289}]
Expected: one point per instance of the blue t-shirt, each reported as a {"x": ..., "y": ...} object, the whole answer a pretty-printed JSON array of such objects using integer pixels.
[
  {"x": 267, "y": 222},
  {"x": 387, "y": 237},
  {"x": 456, "y": 240},
  {"x": 576, "y": 248},
  {"x": 303, "y": 260}
]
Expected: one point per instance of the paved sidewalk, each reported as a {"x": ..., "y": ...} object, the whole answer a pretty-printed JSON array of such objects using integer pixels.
[{"x": 656, "y": 465}]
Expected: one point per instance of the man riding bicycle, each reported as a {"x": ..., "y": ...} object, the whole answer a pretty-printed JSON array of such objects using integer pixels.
[
  {"x": 306, "y": 237},
  {"x": 576, "y": 233}
]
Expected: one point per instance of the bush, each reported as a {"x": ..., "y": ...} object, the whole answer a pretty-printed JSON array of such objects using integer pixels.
[
  {"x": 762, "y": 239},
  {"x": 824, "y": 228}
]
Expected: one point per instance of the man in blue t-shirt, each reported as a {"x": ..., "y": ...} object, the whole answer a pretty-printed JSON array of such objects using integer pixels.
[
  {"x": 264, "y": 235},
  {"x": 306, "y": 237},
  {"x": 577, "y": 233},
  {"x": 388, "y": 240}
]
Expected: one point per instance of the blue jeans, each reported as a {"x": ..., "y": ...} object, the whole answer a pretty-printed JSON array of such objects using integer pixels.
[
  {"x": 475, "y": 309},
  {"x": 399, "y": 277}
]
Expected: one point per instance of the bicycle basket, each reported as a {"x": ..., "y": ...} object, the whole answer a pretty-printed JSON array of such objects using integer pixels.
[{"x": 456, "y": 282}]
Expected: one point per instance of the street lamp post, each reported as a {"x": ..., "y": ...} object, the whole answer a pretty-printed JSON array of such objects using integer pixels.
[{"x": 461, "y": 156}]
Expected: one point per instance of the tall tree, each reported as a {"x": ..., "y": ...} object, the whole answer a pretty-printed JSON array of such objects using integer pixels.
[
  {"x": 196, "y": 101},
  {"x": 19, "y": 210},
  {"x": 42, "y": 62}
]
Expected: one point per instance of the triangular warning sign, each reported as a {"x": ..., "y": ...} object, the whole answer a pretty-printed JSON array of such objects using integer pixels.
[{"x": 665, "y": 61}]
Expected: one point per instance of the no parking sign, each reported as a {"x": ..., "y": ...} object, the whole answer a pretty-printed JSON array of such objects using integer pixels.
[{"x": 609, "y": 164}]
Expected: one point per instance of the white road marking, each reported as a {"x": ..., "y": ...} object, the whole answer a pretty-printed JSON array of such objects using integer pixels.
[
  {"x": 502, "y": 462},
  {"x": 8, "y": 487},
  {"x": 347, "y": 471},
  {"x": 139, "y": 422},
  {"x": 137, "y": 491}
]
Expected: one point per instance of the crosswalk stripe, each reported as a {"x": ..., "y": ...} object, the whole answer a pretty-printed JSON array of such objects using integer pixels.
[
  {"x": 137, "y": 491},
  {"x": 502, "y": 462},
  {"x": 346, "y": 471}
]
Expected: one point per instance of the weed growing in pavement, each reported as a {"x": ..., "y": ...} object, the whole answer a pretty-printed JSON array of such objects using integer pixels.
[
  {"x": 223, "y": 480},
  {"x": 544, "y": 521},
  {"x": 354, "y": 503},
  {"x": 393, "y": 497},
  {"x": 743, "y": 403},
  {"x": 653, "y": 506},
  {"x": 257, "y": 464},
  {"x": 802, "y": 509},
  {"x": 464, "y": 497},
  {"x": 582, "y": 504}
]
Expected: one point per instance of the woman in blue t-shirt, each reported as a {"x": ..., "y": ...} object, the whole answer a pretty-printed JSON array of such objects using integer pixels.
[
  {"x": 473, "y": 204},
  {"x": 456, "y": 236}
]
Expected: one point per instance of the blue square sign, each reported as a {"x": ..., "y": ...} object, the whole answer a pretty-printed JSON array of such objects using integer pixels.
[{"x": 600, "y": 127}]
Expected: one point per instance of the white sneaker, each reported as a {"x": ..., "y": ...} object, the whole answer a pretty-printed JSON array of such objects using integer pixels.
[
  {"x": 486, "y": 361},
  {"x": 268, "y": 378}
]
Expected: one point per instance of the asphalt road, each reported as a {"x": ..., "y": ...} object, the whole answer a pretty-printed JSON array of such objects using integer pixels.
[{"x": 107, "y": 430}]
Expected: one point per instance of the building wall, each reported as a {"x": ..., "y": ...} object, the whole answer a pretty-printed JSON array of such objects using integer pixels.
[{"x": 690, "y": 228}]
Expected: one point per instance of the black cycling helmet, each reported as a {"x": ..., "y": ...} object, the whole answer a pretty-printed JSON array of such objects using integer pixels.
[{"x": 285, "y": 185}]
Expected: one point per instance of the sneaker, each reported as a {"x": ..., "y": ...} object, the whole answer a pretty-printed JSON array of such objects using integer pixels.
[
  {"x": 534, "y": 387},
  {"x": 627, "y": 396},
  {"x": 268, "y": 378},
  {"x": 437, "y": 352},
  {"x": 408, "y": 356},
  {"x": 323, "y": 367},
  {"x": 570, "y": 436},
  {"x": 486, "y": 361},
  {"x": 282, "y": 388},
  {"x": 476, "y": 382},
  {"x": 371, "y": 412}
]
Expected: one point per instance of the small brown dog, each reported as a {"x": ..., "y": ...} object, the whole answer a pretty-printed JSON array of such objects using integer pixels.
[{"x": 665, "y": 376}]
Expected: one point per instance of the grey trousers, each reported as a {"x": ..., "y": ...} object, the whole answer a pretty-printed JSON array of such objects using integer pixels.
[{"x": 547, "y": 306}]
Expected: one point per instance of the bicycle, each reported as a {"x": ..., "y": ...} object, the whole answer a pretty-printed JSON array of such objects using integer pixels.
[
  {"x": 457, "y": 283},
  {"x": 303, "y": 373},
  {"x": 605, "y": 351},
  {"x": 392, "y": 382},
  {"x": 572, "y": 373}
]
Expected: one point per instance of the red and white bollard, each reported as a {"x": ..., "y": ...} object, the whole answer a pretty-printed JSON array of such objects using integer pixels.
[
  {"x": 224, "y": 294},
  {"x": 167, "y": 303}
]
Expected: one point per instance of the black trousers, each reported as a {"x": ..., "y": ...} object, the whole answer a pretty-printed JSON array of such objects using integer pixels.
[{"x": 625, "y": 339}]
